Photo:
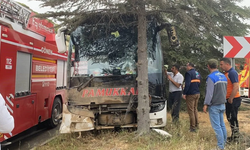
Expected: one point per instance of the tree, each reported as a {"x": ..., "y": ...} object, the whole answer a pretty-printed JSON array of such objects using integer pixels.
[
  {"x": 142, "y": 81},
  {"x": 201, "y": 25}
]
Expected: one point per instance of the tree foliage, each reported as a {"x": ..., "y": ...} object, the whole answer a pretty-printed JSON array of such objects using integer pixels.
[{"x": 201, "y": 26}]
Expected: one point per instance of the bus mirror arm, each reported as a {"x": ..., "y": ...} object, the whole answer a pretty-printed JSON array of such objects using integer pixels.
[
  {"x": 163, "y": 26},
  {"x": 62, "y": 29}
]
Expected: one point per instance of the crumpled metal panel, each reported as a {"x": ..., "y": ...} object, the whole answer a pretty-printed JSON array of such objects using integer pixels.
[
  {"x": 75, "y": 123},
  {"x": 116, "y": 119}
]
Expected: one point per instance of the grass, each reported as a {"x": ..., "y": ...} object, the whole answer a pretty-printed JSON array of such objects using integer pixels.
[{"x": 181, "y": 139}]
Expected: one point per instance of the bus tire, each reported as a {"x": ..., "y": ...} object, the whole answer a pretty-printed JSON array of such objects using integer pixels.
[{"x": 55, "y": 113}]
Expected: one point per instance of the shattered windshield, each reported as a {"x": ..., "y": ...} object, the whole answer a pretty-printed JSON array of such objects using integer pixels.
[{"x": 112, "y": 50}]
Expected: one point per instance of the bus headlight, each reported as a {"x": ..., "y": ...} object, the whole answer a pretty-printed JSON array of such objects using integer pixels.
[{"x": 155, "y": 107}]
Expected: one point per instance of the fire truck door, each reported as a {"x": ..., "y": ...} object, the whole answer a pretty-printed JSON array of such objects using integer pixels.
[
  {"x": 15, "y": 78},
  {"x": 24, "y": 101}
]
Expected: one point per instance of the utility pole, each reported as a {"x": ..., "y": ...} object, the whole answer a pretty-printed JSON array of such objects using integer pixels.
[{"x": 233, "y": 62}]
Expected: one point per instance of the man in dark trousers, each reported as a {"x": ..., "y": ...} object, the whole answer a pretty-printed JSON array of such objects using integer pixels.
[
  {"x": 216, "y": 91},
  {"x": 191, "y": 94},
  {"x": 233, "y": 98},
  {"x": 175, "y": 91}
]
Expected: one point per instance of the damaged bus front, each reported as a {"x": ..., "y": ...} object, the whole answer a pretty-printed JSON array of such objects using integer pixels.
[{"x": 102, "y": 87}]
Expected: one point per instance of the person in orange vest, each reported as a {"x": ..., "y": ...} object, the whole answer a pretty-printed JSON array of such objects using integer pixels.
[
  {"x": 233, "y": 98},
  {"x": 6, "y": 120},
  {"x": 191, "y": 94}
]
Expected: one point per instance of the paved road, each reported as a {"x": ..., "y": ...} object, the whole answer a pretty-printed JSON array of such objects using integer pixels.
[
  {"x": 38, "y": 138},
  {"x": 246, "y": 101}
]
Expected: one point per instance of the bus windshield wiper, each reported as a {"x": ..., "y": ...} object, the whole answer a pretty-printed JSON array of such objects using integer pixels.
[{"x": 83, "y": 85}]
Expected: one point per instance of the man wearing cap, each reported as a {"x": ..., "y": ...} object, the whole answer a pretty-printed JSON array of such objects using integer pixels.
[
  {"x": 215, "y": 99},
  {"x": 191, "y": 94}
]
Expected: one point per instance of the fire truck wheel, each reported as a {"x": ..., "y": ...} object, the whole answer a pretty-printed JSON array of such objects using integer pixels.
[{"x": 56, "y": 113}]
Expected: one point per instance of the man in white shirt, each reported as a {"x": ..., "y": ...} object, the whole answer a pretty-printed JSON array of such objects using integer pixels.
[
  {"x": 175, "y": 91},
  {"x": 6, "y": 120}
]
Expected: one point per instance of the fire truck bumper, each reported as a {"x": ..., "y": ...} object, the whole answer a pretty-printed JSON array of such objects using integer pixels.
[{"x": 75, "y": 123}]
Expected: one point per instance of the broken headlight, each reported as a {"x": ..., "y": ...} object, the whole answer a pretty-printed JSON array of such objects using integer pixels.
[{"x": 155, "y": 107}]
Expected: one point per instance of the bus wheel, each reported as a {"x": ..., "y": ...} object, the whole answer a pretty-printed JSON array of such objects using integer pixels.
[{"x": 56, "y": 113}]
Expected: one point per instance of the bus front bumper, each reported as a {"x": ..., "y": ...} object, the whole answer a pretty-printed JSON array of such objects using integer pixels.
[{"x": 75, "y": 123}]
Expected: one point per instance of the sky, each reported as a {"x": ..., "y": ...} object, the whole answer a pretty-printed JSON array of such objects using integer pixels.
[
  {"x": 35, "y": 5},
  {"x": 245, "y": 3}
]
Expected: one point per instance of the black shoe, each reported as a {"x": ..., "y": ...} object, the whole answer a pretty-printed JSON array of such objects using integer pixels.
[
  {"x": 192, "y": 130},
  {"x": 231, "y": 140}
]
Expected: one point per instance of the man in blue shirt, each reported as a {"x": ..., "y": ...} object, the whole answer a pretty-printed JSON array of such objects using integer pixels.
[
  {"x": 233, "y": 98},
  {"x": 216, "y": 90},
  {"x": 191, "y": 94}
]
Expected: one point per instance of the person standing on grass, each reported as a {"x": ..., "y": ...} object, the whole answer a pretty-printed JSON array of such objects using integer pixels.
[
  {"x": 233, "y": 98},
  {"x": 175, "y": 91},
  {"x": 191, "y": 94},
  {"x": 215, "y": 99}
]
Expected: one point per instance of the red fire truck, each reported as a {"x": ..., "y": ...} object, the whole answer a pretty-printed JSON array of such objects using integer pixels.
[{"x": 32, "y": 72}]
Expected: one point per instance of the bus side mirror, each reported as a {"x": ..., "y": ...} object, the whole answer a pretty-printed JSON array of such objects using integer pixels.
[
  {"x": 173, "y": 39},
  {"x": 60, "y": 40},
  {"x": 172, "y": 36}
]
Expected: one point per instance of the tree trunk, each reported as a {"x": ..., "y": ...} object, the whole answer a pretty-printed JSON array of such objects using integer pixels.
[{"x": 142, "y": 79}]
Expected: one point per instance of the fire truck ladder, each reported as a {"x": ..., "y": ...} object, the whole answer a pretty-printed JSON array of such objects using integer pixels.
[{"x": 14, "y": 12}]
